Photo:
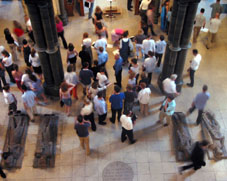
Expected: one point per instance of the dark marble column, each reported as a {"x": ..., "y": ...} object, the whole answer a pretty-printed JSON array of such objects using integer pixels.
[
  {"x": 156, "y": 11},
  {"x": 183, "y": 14},
  {"x": 42, "y": 19},
  {"x": 63, "y": 15}
]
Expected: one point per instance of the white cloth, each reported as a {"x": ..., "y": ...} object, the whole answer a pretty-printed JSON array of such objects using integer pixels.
[
  {"x": 87, "y": 42},
  {"x": 28, "y": 98},
  {"x": 132, "y": 81},
  {"x": 35, "y": 61},
  {"x": 87, "y": 109},
  {"x": 102, "y": 79},
  {"x": 195, "y": 62},
  {"x": 150, "y": 64},
  {"x": 1, "y": 49},
  {"x": 214, "y": 25},
  {"x": 144, "y": 96},
  {"x": 126, "y": 122},
  {"x": 136, "y": 70},
  {"x": 200, "y": 20},
  {"x": 94, "y": 92},
  {"x": 7, "y": 61},
  {"x": 8, "y": 97},
  {"x": 148, "y": 45},
  {"x": 101, "y": 43},
  {"x": 129, "y": 44},
  {"x": 100, "y": 105},
  {"x": 169, "y": 86},
  {"x": 26, "y": 80},
  {"x": 71, "y": 77},
  {"x": 160, "y": 46},
  {"x": 144, "y": 4}
]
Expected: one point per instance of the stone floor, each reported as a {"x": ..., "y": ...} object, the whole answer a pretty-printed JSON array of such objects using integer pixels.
[{"x": 152, "y": 157}]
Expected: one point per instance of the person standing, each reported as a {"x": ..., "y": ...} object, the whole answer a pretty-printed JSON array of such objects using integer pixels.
[
  {"x": 150, "y": 18},
  {"x": 118, "y": 68},
  {"x": 60, "y": 31},
  {"x": 100, "y": 107},
  {"x": 216, "y": 8},
  {"x": 149, "y": 65},
  {"x": 213, "y": 29},
  {"x": 85, "y": 77},
  {"x": 143, "y": 9},
  {"x": 129, "y": 5},
  {"x": 160, "y": 47},
  {"x": 35, "y": 62},
  {"x": 2, "y": 76},
  {"x": 167, "y": 110},
  {"x": 148, "y": 45},
  {"x": 144, "y": 98},
  {"x": 199, "y": 103},
  {"x": 127, "y": 127},
  {"x": 200, "y": 22},
  {"x": 101, "y": 42},
  {"x": 197, "y": 156},
  {"x": 134, "y": 67},
  {"x": 168, "y": 18},
  {"x": 26, "y": 51},
  {"x": 19, "y": 32},
  {"x": 116, "y": 101},
  {"x": 139, "y": 40},
  {"x": 194, "y": 65},
  {"x": 10, "y": 100},
  {"x": 71, "y": 56},
  {"x": 81, "y": 128},
  {"x": 17, "y": 75},
  {"x": 169, "y": 86},
  {"x": 85, "y": 56},
  {"x": 102, "y": 57},
  {"x": 8, "y": 64},
  {"x": 29, "y": 100},
  {"x": 87, "y": 43},
  {"x": 125, "y": 47},
  {"x": 90, "y": 8},
  {"x": 130, "y": 96}
]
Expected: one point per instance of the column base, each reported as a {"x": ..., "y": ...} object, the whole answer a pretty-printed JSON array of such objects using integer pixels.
[
  {"x": 160, "y": 84},
  {"x": 51, "y": 90}
]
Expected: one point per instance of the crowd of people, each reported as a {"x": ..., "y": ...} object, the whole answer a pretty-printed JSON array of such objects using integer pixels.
[{"x": 94, "y": 77}]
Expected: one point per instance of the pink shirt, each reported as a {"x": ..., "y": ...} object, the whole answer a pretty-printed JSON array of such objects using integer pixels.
[{"x": 59, "y": 27}]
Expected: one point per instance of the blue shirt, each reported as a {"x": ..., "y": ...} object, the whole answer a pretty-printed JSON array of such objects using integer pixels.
[
  {"x": 100, "y": 105},
  {"x": 82, "y": 129},
  {"x": 170, "y": 108},
  {"x": 118, "y": 65},
  {"x": 201, "y": 100},
  {"x": 160, "y": 46},
  {"x": 28, "y": 98},
  {"x": 116, "y": 100},
  {"x": 102, "y": 57}
]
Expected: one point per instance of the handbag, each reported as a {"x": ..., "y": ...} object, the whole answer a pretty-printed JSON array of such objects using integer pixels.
[{"x": 87, "y": 4}]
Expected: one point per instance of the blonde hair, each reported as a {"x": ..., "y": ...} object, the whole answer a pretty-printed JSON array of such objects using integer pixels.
[{"x": 98, "y": 9}]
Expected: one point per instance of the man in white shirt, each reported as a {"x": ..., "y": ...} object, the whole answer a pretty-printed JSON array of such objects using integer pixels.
[
  {"x": 160, "y": 47},
  {"x": 127, "y": 127},
  {"x": 214, "y": 26},
  {"x": 200, "y": 22},
  {"x": 149, "y": 65},
  {"x": 148, "y": 45},
  {"x": 29, "y": 100},
  {"x": 194, "y": 65},
  {"x": 10, "y": 99},
  {"x": 169, "y": 86},
  {"x": 144, "y": 98},
  {"x": 101, "y": 42}
]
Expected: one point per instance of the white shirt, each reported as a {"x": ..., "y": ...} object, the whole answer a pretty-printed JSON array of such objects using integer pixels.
[
  {"x": 126, "y": 122},
  {"x": 150, "y": 64},
  {"x": 94, "y": 92},
  {"x": 35, "y": 61},
  {"x": 144, "y": 96},
  {"x": 144, "y": 4},
  {"x": 200, "y": 20},
  {"x": 214, "y": 25},
  {"x": 160, "y": 46},
  {"x": 8, "y": 97},
  {"x": 26, "y": 80},
  {"x": 100, "y": 105},
  {"x": 1, "y": 49},
  {"x": 29, "y": 98},
  {"x": 195, "y": 62},
  {"x": 132, "y": 81},
  {"x": 7, "y": 61},
  {"x": 169, "y": 86},
  {"x": 87, "y": 42},
  {"x": 71, "y": 77},
  {"x": 102, "y": 79},
  {"x": 101, "y": 43},
  {"x": 136, "y": 70},
  {"x": 87, "y": 109},
  {"x": 148, "y": 45}
]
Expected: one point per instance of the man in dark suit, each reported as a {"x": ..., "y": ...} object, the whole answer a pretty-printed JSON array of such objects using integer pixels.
[{"x": 197, "y": 156}]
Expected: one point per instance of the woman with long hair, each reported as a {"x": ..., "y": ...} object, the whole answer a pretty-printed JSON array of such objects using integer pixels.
[
  {"x": 72, "y": 56},
  {"x": 17, "y": 75},
  {"x": 35, "y": 62},
  {"x": 60, "y": 31},
  {"x": 8, "y": 63}
]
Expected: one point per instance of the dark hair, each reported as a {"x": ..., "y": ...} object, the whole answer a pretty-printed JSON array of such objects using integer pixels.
[
  {"x": 5, "y": 53},
  {"x": 127, "y": 112},
  {"x": 117, "y": 88},
  {"x": 94, "y": 85},
  {"x": 15, "y": 67},
  {"x": 162, "y": 37},
  {"x": 134, "y": 60},
  {"x": 57, "y": 19},
  {"x": 6, "y": 87},
  {"x": 129, "y": 87},
  {"x": 204, "y": 143},
  {"x": 205, "y": 88},
  {"x": 24, "y": 87},
  {"x": 142, "y": 85},
  {"x": 100, "y": 94},
  {"x": 125, "y": 34},
  {"x": 70, "y": 68},
  {"x": 102, "y": 69},
  {"x": 85, "y": 64},
  {"x": 96, "y": 62},
  {"x": 195, "y": 51},
  {"x": 150, "y": 53},
  {"x": 71, "y": 47},
  {"x": 64, "y": 86},
  {"x": 33, "y": 77},
  {"x": 33, "y": 52},
  {"x": 202, "y": 10},
  {"x": 28, "y": 71},
  {"x": 17, "y": 24},
  {"x": 25, "y": 42},
  {"x": 170, "y": 96},
  {"x": 101, "y": 49},
  {"x": 80, "y": 118},
  {"x": 6, "y": 31},
  {"x": 99, "y": 25},
  {"x": 85, "y": 35}
]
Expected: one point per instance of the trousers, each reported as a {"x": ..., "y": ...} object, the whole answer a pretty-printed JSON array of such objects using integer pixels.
[
  {"x": 128, "y": 133},
  {"x": 84, "y": 143},
  {"x": 199, "y": 117}
]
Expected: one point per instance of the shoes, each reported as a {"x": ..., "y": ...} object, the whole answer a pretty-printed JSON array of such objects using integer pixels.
[
  {"x": 165, "y": 124},
  {"x": 207, "y": 47},
  {"x": 189, "y": 85},
  {"x": 3, "y": 175},
  {"x": 123, "y": 140},
  {"x": 112, "y": 121},
  {"x": 133, "y": 142},
  {"x": 102, "y": 123}
]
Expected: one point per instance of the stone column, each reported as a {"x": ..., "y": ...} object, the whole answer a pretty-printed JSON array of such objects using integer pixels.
[
  {"x": 156, "y": 11},
  {"x": 44, "y": 28},
  {"x": 63, "y": 15},
  {"x": 183, "y": 14}
]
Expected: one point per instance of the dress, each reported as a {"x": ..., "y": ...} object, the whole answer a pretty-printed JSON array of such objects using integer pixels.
[{"x": 124, "y": 51}]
